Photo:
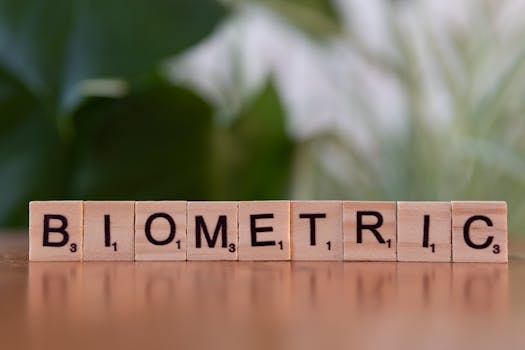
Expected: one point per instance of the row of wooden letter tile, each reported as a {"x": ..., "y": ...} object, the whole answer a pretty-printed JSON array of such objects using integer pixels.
[{"x": 268, "y": 230}]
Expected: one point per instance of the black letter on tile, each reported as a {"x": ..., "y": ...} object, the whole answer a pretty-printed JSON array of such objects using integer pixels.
[
  {"x": 373, "y": 228},
  {"x": 466, "y": 232},
  {"x": 147, "y": 228},
  {"x": 426, "y": 227},
  {"x": 61, "y": 230},
  {"x": 254, "y": 230},
  {"x": 221, "y": 226},
  {"x": 312, "y": 218},
  {"x": 107, "y": 232}
]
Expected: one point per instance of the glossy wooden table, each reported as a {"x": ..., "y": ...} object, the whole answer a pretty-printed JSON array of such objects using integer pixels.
[{"x": 258, "y": 305}]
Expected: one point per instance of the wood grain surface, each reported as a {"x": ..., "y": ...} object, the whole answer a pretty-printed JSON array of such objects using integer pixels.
[{"x": 261, "y": 305}]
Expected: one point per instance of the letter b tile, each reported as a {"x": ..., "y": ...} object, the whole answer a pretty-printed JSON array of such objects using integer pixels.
[
  {"x": 55, "y": 231},
  {"x": 264, "y": 230},
  {"x": 479, "y": 232}
]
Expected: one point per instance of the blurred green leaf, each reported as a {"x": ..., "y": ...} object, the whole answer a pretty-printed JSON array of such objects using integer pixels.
[
  {"x": 152, "y": 144},
  {"x": 50, "y": 46},
  {"x": 49, "y": 50},
  {"x": 128, "y": 149},
  {"x": 33, "y": 161},
  {"x": 253, "y": 156},
  {"x": 159, "y": 142},
  {"x": 315, "y": 17}
]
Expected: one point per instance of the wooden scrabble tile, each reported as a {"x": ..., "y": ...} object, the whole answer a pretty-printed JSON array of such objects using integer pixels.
[
  {"x": 264, "y": 230},
  {"x": 479, "y": 232},
  {"x": 369, "y": 231},
  {"x": 212, "y": 231},
  {"x": 55, "y": 231},
  {"x": 109, "y": 230},
  {"x": 424, "y": 231},
  {"x": 317, "y": 230},
  {"x": 160, "y": 230}
]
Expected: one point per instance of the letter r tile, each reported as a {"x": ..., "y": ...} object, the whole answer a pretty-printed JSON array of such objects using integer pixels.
[
  {"x": 264, "y": 230},
  {"x": 369, "y": 231},
  {"x": 55, "y": 231}
]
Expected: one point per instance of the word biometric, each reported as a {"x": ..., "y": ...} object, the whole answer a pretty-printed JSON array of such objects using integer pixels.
[{"x": 457, "y": 231}]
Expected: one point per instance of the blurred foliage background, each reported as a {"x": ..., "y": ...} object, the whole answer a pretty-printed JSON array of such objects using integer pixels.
[{"x": 261, "y": 99}]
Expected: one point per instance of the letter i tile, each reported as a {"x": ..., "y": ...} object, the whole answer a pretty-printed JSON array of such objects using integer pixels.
[
  {"x": 424, "y": 231},
  {"x": 109, "y": 230}
]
